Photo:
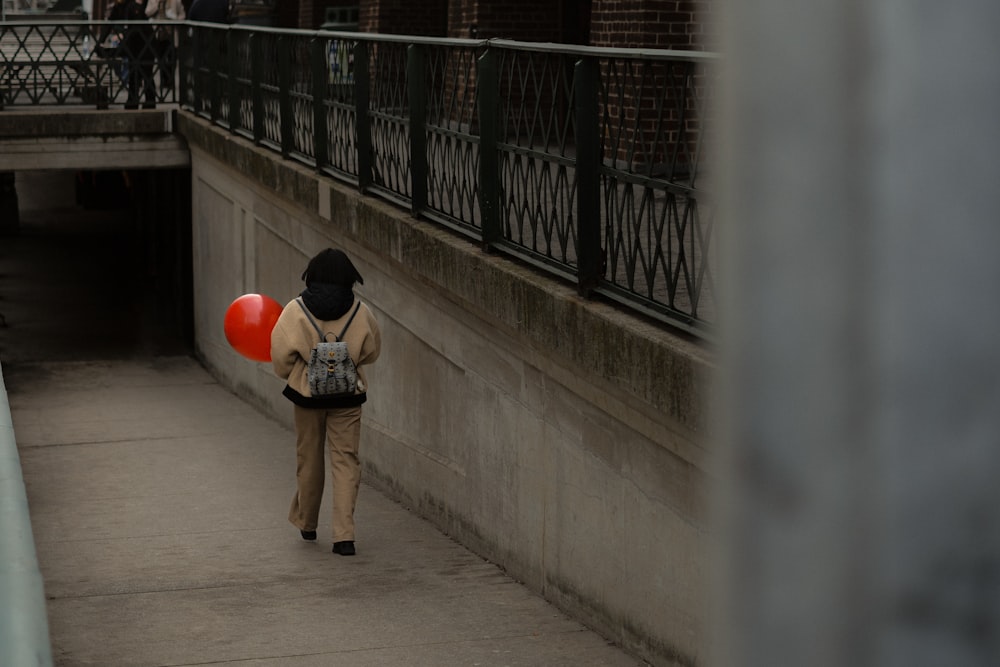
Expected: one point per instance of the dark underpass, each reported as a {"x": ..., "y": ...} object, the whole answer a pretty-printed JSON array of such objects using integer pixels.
[{"x": 99, "y": 267}]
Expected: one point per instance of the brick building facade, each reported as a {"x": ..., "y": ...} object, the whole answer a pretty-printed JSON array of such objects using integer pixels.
[{"x": 662, "y": 24}]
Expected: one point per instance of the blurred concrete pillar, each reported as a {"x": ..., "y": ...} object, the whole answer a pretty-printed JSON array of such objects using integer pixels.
[{"x": 861, "y": 521}]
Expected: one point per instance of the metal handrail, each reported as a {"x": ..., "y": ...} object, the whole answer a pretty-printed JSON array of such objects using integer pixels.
[
  {"x": 24, "y": 629},
  {"x": 606, "y": 51},
  {"x": 45, "y": 61},
  {"x": 585, "y": 162}
]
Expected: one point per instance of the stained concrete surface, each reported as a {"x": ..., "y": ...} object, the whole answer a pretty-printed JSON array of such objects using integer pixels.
[{"x": 158, "y": 498}]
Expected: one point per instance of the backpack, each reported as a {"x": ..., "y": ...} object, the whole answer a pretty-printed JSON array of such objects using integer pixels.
[{"x": 331, "y": 370}]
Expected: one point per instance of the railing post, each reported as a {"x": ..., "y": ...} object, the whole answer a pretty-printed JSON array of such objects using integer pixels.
[
  {"x": 320, "y": 78},
  {"x": 197, "y": 63},
  {"x": 285, "y": 94},
  {"x": 416, "y": 78},
  {"x": 182, "y": 55},
  {"x": 362, "y": 122},
  {"x": 101, "y": 90},
  {"x": 215, "y": 90},
  {"x": 588, "y": 177},
  {"x": 256, "y": 92},
  {"x": 489, "y": 158},
  {"x": 233, "y": 89}
]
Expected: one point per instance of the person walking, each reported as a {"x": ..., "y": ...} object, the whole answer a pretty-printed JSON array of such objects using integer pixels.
[{"x": 328, "y": 302}]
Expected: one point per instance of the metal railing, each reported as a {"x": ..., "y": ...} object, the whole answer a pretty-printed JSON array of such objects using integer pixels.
[
  {"x": 46, "y": 62},
  {"x": 585, "y": 162}
]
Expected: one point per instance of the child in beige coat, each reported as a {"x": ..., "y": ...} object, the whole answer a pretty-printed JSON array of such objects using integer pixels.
[{"x": 333, "y": 420}]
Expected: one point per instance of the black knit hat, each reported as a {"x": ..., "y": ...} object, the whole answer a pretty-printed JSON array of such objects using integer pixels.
[{"x": 333, "y": 267}]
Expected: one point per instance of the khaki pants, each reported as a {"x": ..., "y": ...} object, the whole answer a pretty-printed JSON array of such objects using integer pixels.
[{"x": 340, "y": 429}]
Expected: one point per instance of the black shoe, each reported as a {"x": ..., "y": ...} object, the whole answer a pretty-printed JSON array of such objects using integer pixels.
[
  {"x": 149, "y": 105},
  {"x": 308, "y": 535},
  {"x": 131, "y": 105},
  {"x": 344, "y": 548}
]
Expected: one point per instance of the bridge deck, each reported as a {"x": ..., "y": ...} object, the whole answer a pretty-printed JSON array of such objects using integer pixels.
[{"x": 81, "y": 138}]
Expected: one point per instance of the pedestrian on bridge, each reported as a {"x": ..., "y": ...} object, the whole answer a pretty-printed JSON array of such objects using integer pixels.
[
  {"x": 334, "y": 421},
  {"x": 205, "y": 44},
  {"x": 166, "y": 51},
  {"x": 134, "y": 45}
]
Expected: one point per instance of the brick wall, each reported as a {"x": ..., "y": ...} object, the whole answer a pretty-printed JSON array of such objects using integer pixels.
[
  {"x": 509, "y": 19},
  {"x": 652, "y": 115},
  {"x": 661, "y": 24},
  {"x": 535, "y": 21},
  {"x": 636, "y": 131},
  {"x": 673, "y": 24}
]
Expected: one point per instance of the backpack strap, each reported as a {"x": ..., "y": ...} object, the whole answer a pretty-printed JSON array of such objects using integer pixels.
[
  {"x": 311, "y": 320},
  {"x": 322, "y": 336},
  {"x": 344, "y": 330}
]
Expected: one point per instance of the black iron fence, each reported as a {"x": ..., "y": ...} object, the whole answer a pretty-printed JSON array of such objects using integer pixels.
[
  {"x": 587, "y": 163},
  {"x": 44, "y": 62}
]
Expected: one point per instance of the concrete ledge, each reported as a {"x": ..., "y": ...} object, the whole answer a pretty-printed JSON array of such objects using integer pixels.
[
  {"x": 95, "y": 152},
  {"x": 24, "y": 628},
  {"x": 90, "y": 139},
  {"x": 288, "y": 179},
  {"x": 49, "y": 122}
]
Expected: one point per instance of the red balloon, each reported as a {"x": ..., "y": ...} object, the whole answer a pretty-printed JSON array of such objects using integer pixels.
[{"x": 248, "y": 325}]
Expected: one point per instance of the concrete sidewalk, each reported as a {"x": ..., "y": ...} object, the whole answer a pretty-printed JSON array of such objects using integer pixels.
[
  {"x": 158, "y": 502},
  {"x": 158, "y": 499}
]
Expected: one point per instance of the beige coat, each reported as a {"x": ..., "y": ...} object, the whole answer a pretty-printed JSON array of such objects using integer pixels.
[
  {"x": 165, "y": 10},
  {"x": 293, "y": 337}
]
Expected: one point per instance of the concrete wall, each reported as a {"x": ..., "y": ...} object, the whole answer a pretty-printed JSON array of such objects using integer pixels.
[
  {"x": 562, "y": 439},
  {"x": 861, "y": 339}
]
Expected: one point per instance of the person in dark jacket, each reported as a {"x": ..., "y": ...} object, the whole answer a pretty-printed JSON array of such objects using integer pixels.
[
  {"x": 334, "y": 420},
  {"x": 135, "y": 48},
  {"x": 209, "y": 11}
]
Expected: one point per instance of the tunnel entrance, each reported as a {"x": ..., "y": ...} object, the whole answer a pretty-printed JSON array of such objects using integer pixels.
[{"x": 99, "y": 267}]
